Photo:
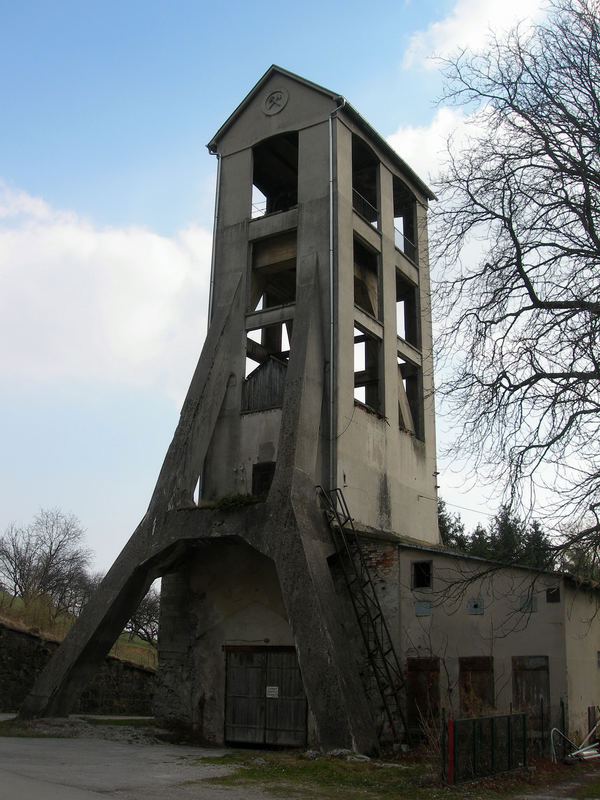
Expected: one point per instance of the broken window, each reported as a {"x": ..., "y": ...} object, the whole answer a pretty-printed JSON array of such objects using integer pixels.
[
  {"x": 405, "y": 208},
  {"x": 273, "y": 281},
  {"x": 275, "y": 174},
  {"x": 267, "y": 355},
  {"x": 410, "y": 398},
  {"x": 367, "y": 388},
  {"x": 262, "y": 477},
  {"x": 421, "y": 574},
  {"x": 366, "y": 279},
  {"x": 553, "y": 594},
  {"x": 407, "y": 316},
  {"x": 365, "y": 167}
]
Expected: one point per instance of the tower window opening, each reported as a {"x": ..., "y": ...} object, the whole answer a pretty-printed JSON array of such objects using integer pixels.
[
  {"x": 273, "y": 280},
  {"x": 366, "y": 279},
  {"x": 405, "y": 228},
  {"x": 275, "y": 175},
  {"x": 267, "y": 356},
  {"x": 367, "y": 383},
  {"x": 365, "y": 167},
  {"x": 410, "y": 398},
  {"x": 407, "y": 316}
]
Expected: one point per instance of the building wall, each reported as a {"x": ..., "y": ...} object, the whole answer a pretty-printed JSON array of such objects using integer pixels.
[
  {"x": 582, "y": 641},
  {"x": 566, "y": 632},
  {"x": 388, "y": 474},
  {"x": 227, "y": 594}
]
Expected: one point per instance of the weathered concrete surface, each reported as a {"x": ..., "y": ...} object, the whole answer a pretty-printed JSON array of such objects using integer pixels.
[
  {"x": 86, "y": 769},
  {"x": 322, "y": 436},
  {"x": 288, "y": 528}
]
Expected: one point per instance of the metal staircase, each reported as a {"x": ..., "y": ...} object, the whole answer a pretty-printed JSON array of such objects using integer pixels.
[{"x": 385, "y": 669}]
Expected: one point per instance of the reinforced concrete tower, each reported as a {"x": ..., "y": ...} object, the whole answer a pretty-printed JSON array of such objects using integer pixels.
[{"x": 316, "y": 370}]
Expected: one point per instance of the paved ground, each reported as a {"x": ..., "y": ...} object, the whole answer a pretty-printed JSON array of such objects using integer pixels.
[
  {"x": 94, "y": 769},
  {"x": 133, "y": 765}
]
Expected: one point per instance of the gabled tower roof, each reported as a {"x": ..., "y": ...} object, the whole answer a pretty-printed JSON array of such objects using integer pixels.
[{"x": 342, "y": 103}]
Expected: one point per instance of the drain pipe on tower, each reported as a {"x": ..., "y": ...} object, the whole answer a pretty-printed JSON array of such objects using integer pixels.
[
  {"x": 332, "y": 476},
  {"x": 214, "y": 242}
]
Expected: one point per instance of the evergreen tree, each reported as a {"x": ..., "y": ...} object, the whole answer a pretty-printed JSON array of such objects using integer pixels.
[{"x": 452, "y": 529}]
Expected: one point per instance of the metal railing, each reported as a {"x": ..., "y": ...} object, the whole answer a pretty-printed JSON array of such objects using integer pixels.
[
  {"x": 404, "y": 244},
  {"x": 366, "y": 209},
  {"x": 259, "y": 209}
]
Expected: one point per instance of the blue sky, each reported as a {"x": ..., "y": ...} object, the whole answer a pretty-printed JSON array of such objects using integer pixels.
[{"x": 106, "y": 203}]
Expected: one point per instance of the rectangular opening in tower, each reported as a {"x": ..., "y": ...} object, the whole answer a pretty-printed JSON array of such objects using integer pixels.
[
  {"x": 405, "y": 228},
  {"x": 410, "y": 397},
  {"x": 367, "y": 370},
  {"x": 407, "y": 310},
  {"x": 365, "y": 169},
  {"x": 267, "y": 355},
  {"x": 273, "y": 277},
  {"x": 275, "y": 174},
  {"x": 366, "y": 279}
]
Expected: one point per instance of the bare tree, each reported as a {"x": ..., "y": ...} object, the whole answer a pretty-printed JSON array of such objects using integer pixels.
[
  {"x": 17, "y": 563},
  {"x": 46, "y": 558},
  {"x": 520, "y": 364},
  {"x": 144, "y": 623}
]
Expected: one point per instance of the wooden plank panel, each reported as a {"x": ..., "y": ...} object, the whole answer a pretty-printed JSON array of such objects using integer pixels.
[
  {"x": 245, "y": 697},
  {"x": 286, "y": 713}
]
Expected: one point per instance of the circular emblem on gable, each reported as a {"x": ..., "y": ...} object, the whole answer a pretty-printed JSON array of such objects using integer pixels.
[{"x": 275, "y": 102}]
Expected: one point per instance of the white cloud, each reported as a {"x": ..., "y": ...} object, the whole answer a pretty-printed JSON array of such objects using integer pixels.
[
  {"x": 468, "y": 26},
  {"x": 80, "y": 302},
  {"x": 424, "y": 147}
]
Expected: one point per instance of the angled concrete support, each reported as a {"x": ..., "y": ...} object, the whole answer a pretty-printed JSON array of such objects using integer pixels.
[
  {"x": 289, "y": 528},
  {"x": 149, "y": 551}
]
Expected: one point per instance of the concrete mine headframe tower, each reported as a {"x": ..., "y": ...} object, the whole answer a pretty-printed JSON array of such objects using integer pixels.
[{"x": 316, "y": 370}]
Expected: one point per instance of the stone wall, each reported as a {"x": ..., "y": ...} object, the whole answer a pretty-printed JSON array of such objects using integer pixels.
[{"x": 119, "y": 688}]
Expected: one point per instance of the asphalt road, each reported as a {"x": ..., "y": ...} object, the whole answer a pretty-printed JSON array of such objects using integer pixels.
[{"x": 95, "y": 769}]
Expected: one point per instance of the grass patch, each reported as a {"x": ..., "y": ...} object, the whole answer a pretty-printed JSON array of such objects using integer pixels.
[
  {"x": 135, "y": 650},
  {"x": 591, "y": 790},
  {"x": 231, "y": 502},
  {"x": 288, "y": 775},
  {"x": 39, "y": 617}
]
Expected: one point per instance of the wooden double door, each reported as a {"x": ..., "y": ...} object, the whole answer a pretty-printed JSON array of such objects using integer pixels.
[{"x": 264, "y": 697}]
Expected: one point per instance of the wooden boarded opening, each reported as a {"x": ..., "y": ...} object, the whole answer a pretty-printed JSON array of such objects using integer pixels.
[
  {"x": 531, "y": 682},
  {"x": 264, "y": 697},
  {"x": 423, "y": 692},
  {"x": 476, "y": 685}
]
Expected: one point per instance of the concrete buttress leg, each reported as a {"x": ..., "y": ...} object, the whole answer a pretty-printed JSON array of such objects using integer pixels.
[{"x": 139, "y": 563}]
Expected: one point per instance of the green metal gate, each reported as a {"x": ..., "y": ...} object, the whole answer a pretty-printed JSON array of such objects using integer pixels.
[{"x": 479, "y": 746}]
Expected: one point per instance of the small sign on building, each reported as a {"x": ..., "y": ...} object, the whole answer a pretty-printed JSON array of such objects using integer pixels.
[{"x": 272, "y": 691}]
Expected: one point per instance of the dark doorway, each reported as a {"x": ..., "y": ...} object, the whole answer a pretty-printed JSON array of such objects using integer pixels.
[
  {"x": 264, "y": 701},
  {"x": 423, "y": 693}
]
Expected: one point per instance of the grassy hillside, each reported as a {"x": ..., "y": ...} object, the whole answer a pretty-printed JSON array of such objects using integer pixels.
[{"x": 39, "y": 616}]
